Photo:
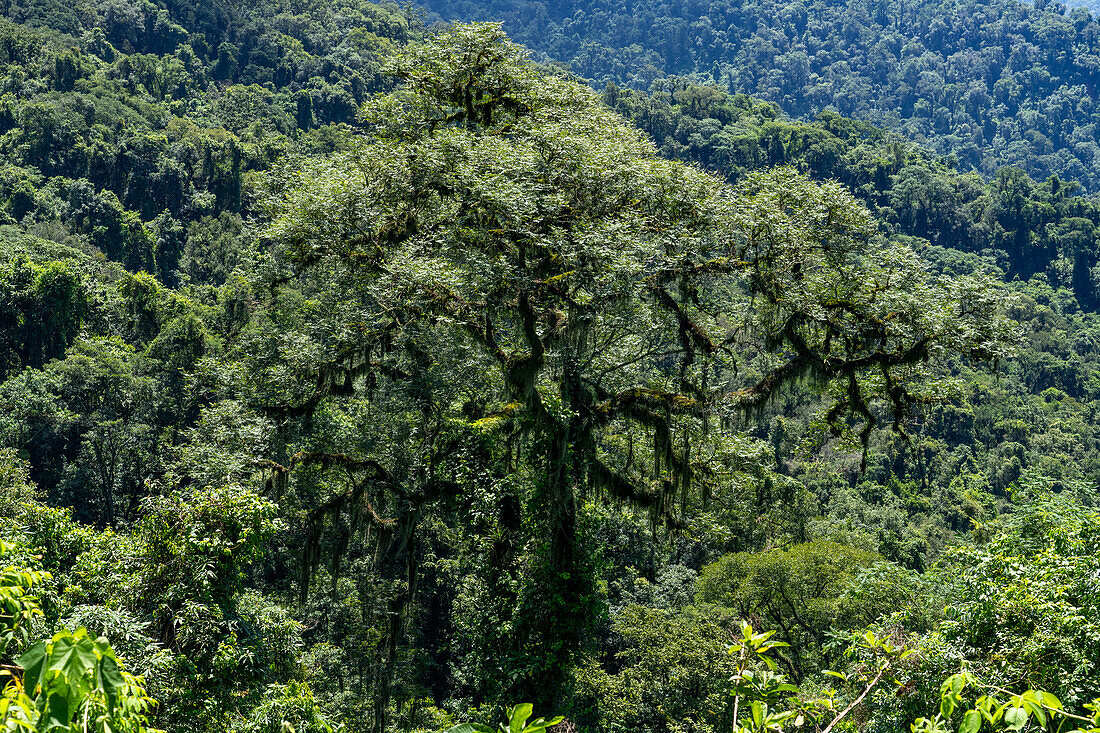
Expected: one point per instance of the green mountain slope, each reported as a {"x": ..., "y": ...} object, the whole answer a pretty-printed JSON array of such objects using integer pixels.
[
  {"x": 992, "y": 83},
  {"x": 138, "y": 128},
  {"x": 1024, "y": 226}
]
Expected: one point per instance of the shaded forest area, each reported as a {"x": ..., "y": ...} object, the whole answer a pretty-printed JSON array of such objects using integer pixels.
[{"x": 363, "y": 375}]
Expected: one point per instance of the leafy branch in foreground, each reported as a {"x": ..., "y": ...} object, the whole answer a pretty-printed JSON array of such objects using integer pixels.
[
  {"x": 1002, "y": 709},
  {"x": 516, "y": 723},
  {"x": 17, "y": 604},
  {"x": 71, "y": 682},
  {"x": 773, "y": 702}
]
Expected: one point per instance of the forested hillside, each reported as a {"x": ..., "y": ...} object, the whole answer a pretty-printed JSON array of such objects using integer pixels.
[
  {"x": 992, "y": 83},
  {"x": 359, "y": 375},
  {"x": 1090, "y": 6},
  {"x": 1022, "y": 226}
]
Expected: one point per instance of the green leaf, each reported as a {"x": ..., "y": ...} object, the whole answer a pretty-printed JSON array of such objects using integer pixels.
[
  {"x": 73, "y": 655},
  {"x": 518, "y": 716},
  {"x": 541, "y": 724},
  {"x": 1015, "y": 718},
  {"x": 110, "y": 676},
  {"x": 58, "y": 712},
  {"x": 758, "y": 710},
  {"x": 1048, "y": 700},
  {"x": 985, "y": 705},
  {"x": 470, "y": 728},
  {"x": 951, "y": 693},
  {"x": 33, "y": 662},
  {"x": 971, "y": 722},
  {"x": 1037, "y": 711}
]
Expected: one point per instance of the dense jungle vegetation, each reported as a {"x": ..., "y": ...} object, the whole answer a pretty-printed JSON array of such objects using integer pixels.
[
  {"x": 990, "y": 83},
  {"x": 359, "y": 374}
]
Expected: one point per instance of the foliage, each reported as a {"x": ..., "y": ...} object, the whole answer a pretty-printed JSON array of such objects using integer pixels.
[
  {"x": 600, "y": 291},
  {"x": 1026, "y": 597},
  {"x": 1035, "y": 226},
  {"x": 999, "y": 708},
  {"x": 989, "y": 84},
  {"x": 69, "y": 682},
  {"x": 74, "y": 683},
  {"x": 800, "y": 591},
  {"x": 359, "y": 377},
  {"x": 19, "y": 606},
  {"x": 285, "y": 706},
  {"x": 764, "y": 692},
  {"x": 516, "y": 721}
]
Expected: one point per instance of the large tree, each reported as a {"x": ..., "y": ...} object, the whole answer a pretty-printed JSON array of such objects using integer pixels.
[{"x": 511, "y": 256}]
